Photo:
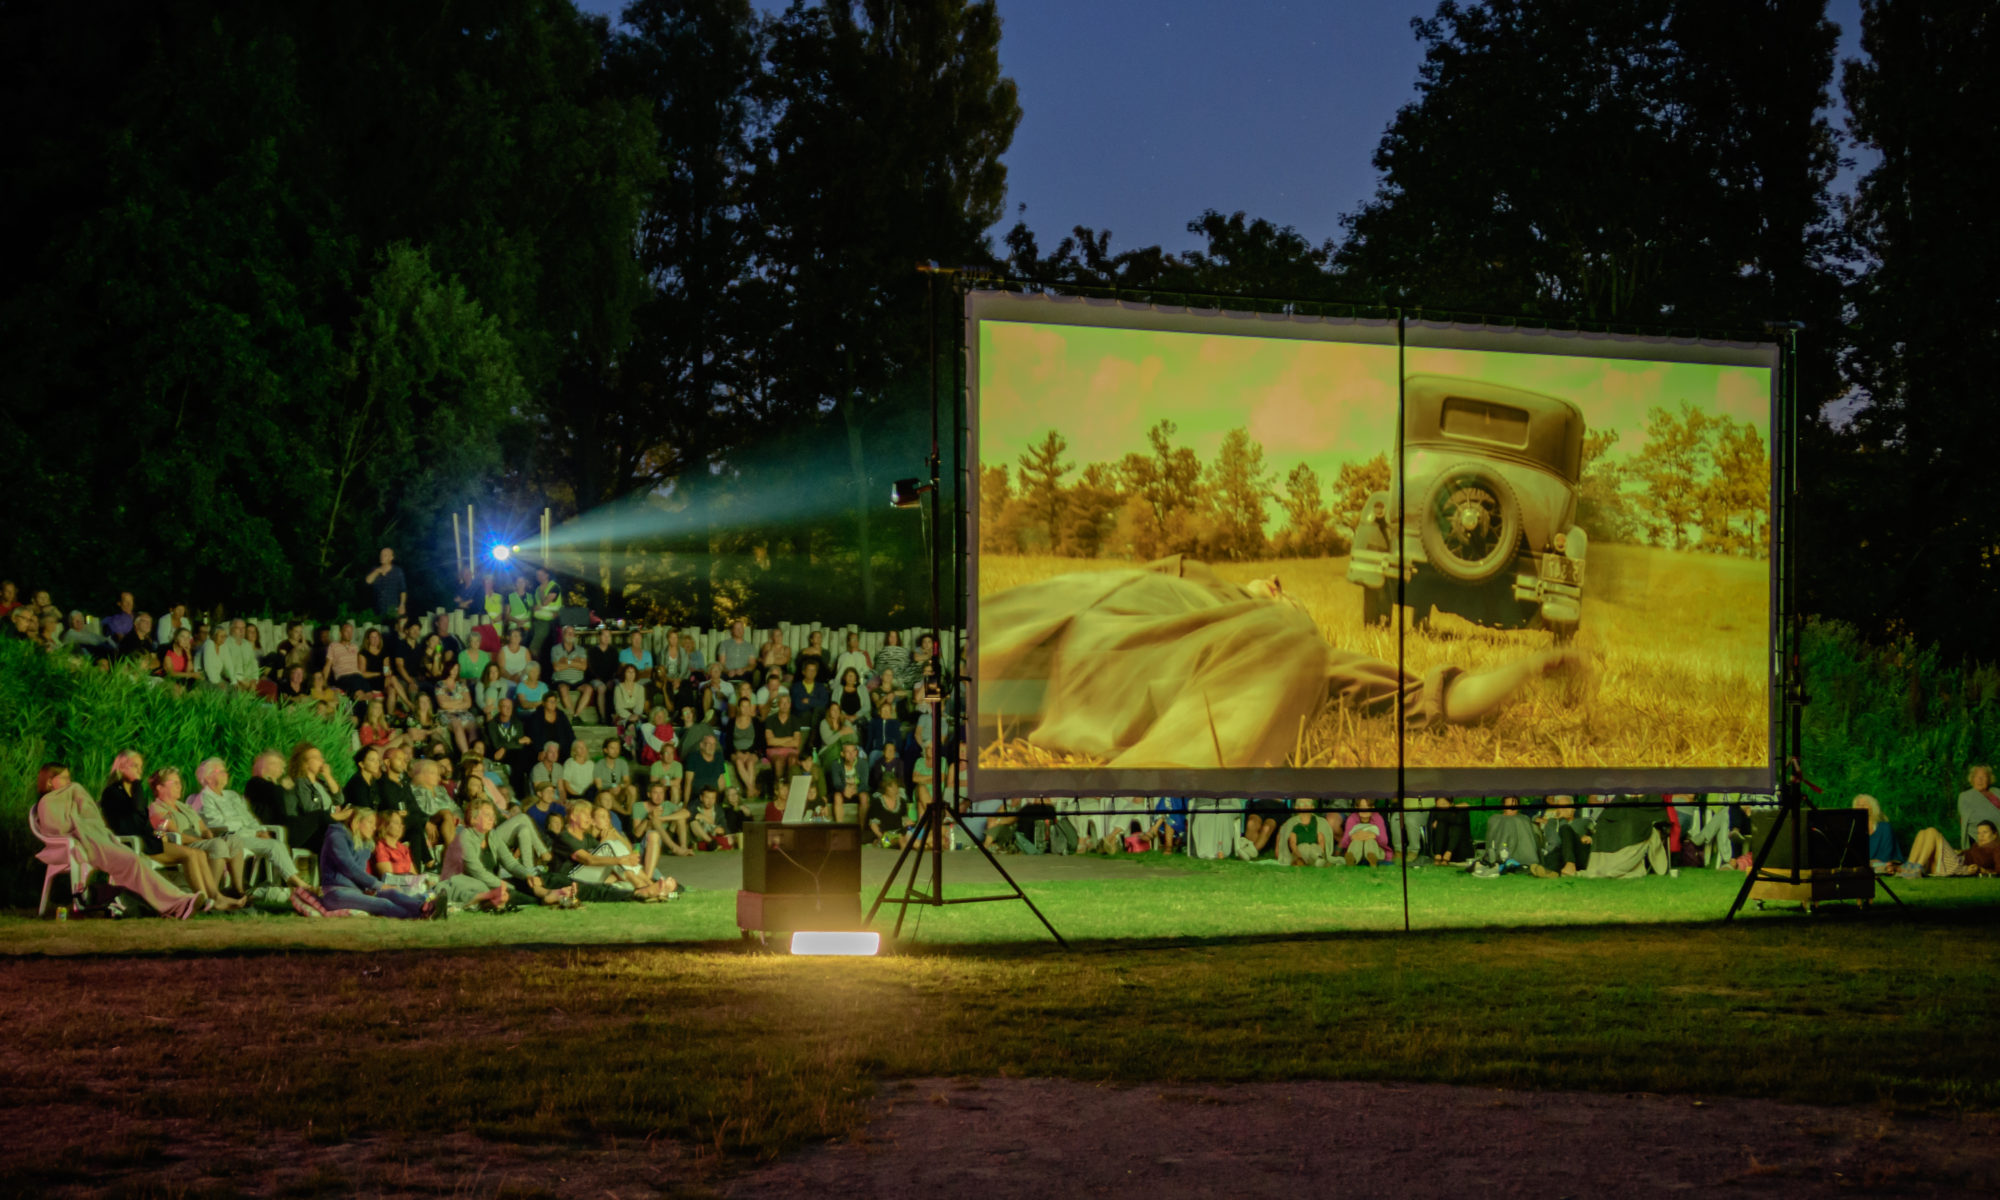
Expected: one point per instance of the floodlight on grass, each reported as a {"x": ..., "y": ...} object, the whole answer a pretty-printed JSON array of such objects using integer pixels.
[{"x": 851, "y": 944}]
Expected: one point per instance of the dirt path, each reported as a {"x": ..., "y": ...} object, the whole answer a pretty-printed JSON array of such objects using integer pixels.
[{"x": 993, "y": 1139}]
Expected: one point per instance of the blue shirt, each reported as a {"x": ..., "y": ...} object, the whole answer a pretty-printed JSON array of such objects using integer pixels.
[
  {"x": 530, "y": 693},
  {"x": 643, "y": 660}
]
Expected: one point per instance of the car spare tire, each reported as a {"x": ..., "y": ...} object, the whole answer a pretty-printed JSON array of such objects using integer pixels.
[{"x": 1471, "y": 523}]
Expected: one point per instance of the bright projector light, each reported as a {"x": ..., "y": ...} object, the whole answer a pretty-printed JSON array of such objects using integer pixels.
[
  {"x": 857, "y": 945},
  {"x": 502, "y": 553}
]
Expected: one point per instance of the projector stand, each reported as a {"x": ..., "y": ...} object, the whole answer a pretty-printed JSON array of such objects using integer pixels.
[{"x": 930, "y": 838}]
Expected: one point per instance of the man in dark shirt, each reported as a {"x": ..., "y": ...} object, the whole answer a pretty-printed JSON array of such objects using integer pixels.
[
  {"x": 452, "y": 646},
  {"x": 508, "y": 743},
  {"x": 391, "y": 590},
  {"x": 703, "y": 770}
]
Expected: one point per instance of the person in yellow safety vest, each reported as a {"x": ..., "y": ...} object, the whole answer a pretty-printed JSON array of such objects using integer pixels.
[
  {"x": 548, "y": 604},
  {"x": 519, "y": 604}
]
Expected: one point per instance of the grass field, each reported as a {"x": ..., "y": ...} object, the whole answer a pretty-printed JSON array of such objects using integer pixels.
[
  {"x": 1676, "y": 647},
  {"x": 730, "y": 1053},
  {"x": 1154, "y": 897}
]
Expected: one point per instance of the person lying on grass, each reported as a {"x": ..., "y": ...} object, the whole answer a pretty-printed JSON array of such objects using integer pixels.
[
  {"x": 1931, "y": 853},
  {"x": 1171, "y": 665}
]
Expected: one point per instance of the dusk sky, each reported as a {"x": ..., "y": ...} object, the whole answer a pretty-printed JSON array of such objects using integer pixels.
[{"x": 1139, "y": 114}]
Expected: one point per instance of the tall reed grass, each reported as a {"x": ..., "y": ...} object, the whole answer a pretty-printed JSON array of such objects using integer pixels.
[{"x": 54, "y": 708}]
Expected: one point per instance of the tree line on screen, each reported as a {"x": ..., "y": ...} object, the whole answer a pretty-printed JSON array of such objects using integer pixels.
[
  {"x": 1701, "y": 482},
  {"x": 286, "y": 282}
]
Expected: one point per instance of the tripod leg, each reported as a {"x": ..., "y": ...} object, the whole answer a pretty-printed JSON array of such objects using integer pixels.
[
  {"x": 1881, "y": 883},
  {"x": 890, "y": 882},
  {"x": 1788, "y": 811},
  {"x": 981, "y": 843},
  {"x": 929, "y": 830}
]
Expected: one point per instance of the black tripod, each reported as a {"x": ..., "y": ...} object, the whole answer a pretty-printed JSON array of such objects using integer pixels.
[{"x": 929, "y": 838}]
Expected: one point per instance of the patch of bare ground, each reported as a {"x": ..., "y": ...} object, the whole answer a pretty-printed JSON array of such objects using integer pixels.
[{"x": 1035, "y": 1138}]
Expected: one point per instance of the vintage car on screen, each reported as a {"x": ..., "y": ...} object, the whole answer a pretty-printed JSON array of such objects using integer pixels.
[{"x": 1488, "y": 527}]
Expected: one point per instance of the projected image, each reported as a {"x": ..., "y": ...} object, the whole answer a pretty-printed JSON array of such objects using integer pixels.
[{"x": 1189, "y": 546}]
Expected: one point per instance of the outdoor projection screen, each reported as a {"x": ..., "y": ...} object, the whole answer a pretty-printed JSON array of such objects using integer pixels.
[{"x": 1189, "y": 528}]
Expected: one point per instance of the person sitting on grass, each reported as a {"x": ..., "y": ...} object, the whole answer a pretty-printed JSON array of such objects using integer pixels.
[
  {"x": 883, "y": 821},
  {"x": 229, "y": 815},
  {"x": 705, "y": 825},
  {"x": 346, "y": 883},
  {"x": 64, "y": 809},
  {"x": 1136, "y": 841},
  {"x": 1882, "y": 852},
  {"x": 660, "y": 814},
  {"x": 637, "y": 868},
  {"x": 1261, "y": 819},
  {"x": 1931, "y": 853},
  {"x": 996, "y": 831},
  {"x": 578, "y": 862},
  {"x": 471, "y": 875},
  {"x": 391, "y": 857},
  {"x": 1169, "y": 825},
  {"x": 1303, "y": 838},
  {"x": 1510, "y": 839},
  {"x": 1364, "y": 840},
  {"x": 1565, "y": 839},
  {"x": 1448, "y": 832}
]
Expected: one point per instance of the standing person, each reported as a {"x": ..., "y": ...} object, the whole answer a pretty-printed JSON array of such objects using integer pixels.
[
  {"x": 520, "y": 605},
  {"x": 392, "y": 591},
  {"x": 119, "y": 624},
  {"x": 548, "y": 606}
]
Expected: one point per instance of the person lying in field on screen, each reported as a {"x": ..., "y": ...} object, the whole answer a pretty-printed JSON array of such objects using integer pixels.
[{"x": 1170, "y": 665}]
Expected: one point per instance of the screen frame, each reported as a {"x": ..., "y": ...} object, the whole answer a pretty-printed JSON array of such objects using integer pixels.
[{"x": 1046, "y": 308}]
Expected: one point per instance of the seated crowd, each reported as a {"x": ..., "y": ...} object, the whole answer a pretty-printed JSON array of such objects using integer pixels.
[
  {"x": 468, "y": 763},
  {"x": 473, "y": 789}
]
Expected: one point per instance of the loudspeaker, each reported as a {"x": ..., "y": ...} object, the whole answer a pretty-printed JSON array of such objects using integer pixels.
[
  {"x": 1833, "y": 839},
  {"x": 805, "y": 876}
]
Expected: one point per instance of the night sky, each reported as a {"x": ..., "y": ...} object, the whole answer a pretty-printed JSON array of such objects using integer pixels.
[{"x": 1139, "y": 114}]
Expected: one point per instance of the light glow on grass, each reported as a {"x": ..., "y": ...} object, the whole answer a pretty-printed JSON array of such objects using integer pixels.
[{"x": 853, "y": 944}]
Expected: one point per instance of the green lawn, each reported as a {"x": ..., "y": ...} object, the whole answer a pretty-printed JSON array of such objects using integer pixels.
[
  {"x": 1154, "y": 898},
  {"x": 498, "y": 1031}
]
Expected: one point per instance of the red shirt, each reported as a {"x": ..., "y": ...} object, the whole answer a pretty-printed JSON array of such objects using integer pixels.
[
  {"x": 1986, "y": 857},
  {"x": 393, "y": 860},
  {"x": 374, "y": 735}
]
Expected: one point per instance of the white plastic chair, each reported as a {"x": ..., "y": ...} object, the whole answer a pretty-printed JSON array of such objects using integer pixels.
[{"x": 59, "y": 853}]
